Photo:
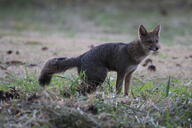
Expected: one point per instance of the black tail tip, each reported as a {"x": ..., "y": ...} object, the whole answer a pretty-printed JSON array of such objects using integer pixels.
[{"x": 44, "y": 80}]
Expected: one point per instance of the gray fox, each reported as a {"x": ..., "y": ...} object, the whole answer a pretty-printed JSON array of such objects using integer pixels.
[{"x": 98, "y": 61}]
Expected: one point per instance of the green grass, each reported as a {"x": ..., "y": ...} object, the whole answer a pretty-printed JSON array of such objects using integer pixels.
[{"x": 150, "y": 104}]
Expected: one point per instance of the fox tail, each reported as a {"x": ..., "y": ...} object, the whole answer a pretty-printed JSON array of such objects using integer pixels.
[{"x": 56, "y": 65}]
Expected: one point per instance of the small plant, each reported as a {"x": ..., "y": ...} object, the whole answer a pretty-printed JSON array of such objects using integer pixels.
[
  {"x": 168, "y": 86},
  {"x": 71, "y": 84}
]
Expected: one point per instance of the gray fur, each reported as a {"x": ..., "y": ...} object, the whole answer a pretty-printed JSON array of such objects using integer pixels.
[{"x": 122, "y": 58}]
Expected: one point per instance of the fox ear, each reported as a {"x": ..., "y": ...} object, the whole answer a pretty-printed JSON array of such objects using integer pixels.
[
  {"x": 142, "y": 31},
  {"x": 157, "y": 30}
]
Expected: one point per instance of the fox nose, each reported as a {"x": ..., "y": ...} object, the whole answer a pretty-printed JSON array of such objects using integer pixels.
[
  {"x": 157, "y": 48},
  {"x": 154, "y": 48}
]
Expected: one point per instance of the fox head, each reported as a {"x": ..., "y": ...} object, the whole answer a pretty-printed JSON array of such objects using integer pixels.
[{"x": 150, "y": 40}]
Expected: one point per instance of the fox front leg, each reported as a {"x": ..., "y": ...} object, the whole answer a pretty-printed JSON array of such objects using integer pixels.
[
  {"x": 119, "y": 82},
  {"x": 127, "y": 83}
]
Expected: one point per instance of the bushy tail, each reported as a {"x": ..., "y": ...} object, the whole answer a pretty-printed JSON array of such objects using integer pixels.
[{"x": 56, "y": 65}]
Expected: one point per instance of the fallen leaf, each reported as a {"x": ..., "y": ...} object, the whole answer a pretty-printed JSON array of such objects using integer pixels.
[
  {"x": 17, "y": 52},
  {"x": 9, "y": 52},
  {"x": 14, "y": 62},
  {"x": 152, "y": 68},
  {"x": 178, "y": 65},
  {"x": 44, "y": 48}
]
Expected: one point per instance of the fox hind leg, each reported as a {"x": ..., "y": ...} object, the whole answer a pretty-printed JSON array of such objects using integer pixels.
[{"x": 94, "y": 77}]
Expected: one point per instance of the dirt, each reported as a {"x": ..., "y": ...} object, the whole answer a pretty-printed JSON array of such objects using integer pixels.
[{"x": 36, "y": 49}]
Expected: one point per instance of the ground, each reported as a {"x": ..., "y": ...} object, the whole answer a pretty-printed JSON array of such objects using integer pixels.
[{"x": 31, "y": 35}]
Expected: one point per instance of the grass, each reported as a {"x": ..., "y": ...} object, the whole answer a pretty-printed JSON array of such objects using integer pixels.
[{"x": 155, "y": 103}]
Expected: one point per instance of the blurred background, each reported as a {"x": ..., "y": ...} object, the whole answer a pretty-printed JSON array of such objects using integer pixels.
[{"x": 32, "y": 31}]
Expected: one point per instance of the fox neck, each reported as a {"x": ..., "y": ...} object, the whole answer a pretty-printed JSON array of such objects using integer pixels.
[{"x": 137, "y": 51}]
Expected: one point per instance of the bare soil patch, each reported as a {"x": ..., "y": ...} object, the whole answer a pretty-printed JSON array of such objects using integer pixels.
[{"x": 35, "y": 50}]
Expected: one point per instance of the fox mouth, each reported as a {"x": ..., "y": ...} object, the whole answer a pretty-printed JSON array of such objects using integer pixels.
[{"x": 154, "y": 49}]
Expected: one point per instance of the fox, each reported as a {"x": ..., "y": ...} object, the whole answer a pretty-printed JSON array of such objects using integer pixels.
[{"x": 123, "y": 58}]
